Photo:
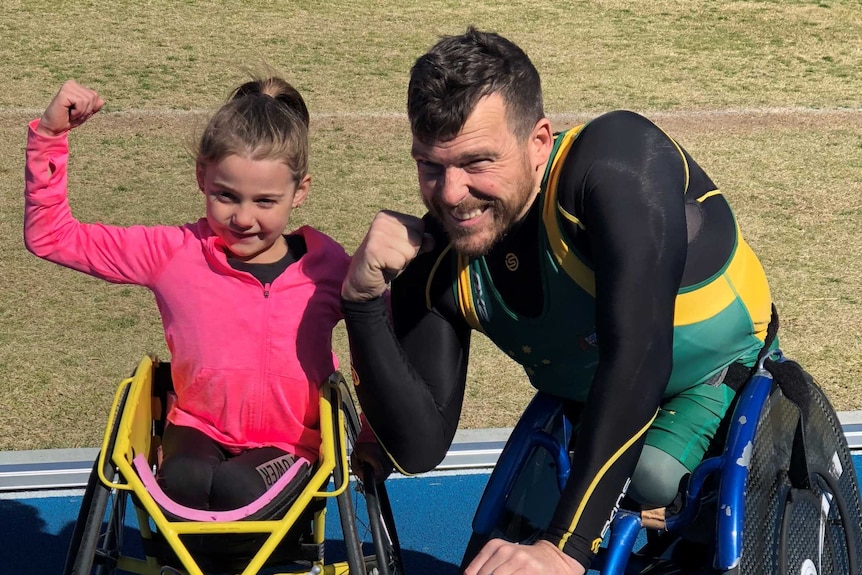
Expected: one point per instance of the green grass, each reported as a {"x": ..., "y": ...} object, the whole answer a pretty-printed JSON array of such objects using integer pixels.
[{"x": 765, "y": 95}]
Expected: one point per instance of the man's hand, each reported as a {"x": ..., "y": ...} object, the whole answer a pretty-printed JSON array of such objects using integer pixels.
[
  {"x": 72, "y": 106},
  {"x": 500, "y": 557},
  {"x": 367, "y": 452},
  {"x": 392, "y": 242}
]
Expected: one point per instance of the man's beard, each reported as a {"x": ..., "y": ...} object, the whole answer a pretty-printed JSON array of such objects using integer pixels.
[
  {"x": 478, "y": 243},
  {"x": 504, "y": 215}
]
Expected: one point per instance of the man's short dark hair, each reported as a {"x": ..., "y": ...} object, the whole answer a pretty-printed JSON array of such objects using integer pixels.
[{"x": 448, "y": 81}]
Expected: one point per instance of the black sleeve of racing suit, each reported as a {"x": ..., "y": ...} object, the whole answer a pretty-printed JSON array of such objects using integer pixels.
[
  {"x": 624, "y": 179},
  {"x": 410, "y": 375}
]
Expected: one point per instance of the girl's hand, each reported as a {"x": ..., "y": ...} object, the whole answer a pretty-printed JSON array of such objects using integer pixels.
[{"x": 72, "y": 106}]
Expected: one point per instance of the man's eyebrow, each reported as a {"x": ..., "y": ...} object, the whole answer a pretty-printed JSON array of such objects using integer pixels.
[
  {"x": 473, "y": 156},
  {"x": 464, "y": 158}
]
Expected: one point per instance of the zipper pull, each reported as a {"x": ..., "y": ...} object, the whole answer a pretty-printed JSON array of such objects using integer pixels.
[{"x": 266, "y": 290}]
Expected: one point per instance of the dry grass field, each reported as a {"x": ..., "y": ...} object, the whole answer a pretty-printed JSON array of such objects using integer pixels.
[{"x": 766, "y": 95}]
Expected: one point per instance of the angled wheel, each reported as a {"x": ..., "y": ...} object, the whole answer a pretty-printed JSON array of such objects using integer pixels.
[
  {"x": 387, "y": 549},
  {"x": 802, "y": 509},
  {"x": 98, "y": 534},
  {"x": 527, "y": 508},
  {"x": 374, "y": 519},
  {"x": 346, "y": 508},
  {"x": 526, "y": 483}
]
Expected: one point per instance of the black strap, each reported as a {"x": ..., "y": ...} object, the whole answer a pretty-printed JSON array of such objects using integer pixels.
[
  {"x": 737, "y": 373},
  {"x": 794, "y": 383},
  {"x": 771, "y": 332}
]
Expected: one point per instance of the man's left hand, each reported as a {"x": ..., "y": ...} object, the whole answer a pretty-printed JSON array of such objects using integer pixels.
[
  {"x": 500, "y": 557},
  {"x": 368, "y": 452}
]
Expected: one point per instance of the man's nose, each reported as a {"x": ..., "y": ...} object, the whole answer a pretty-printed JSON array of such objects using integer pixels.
[{"x": 452, "y": 187}]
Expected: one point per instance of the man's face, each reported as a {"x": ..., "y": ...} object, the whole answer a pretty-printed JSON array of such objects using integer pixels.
[{"x": 482, "y": 181}]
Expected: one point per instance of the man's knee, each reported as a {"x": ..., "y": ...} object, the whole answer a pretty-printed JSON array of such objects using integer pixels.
[{"x": 655, "y": 482}]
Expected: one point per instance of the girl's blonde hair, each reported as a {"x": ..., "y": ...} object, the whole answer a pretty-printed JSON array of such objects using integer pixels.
[{"x": 264, "y": 119}]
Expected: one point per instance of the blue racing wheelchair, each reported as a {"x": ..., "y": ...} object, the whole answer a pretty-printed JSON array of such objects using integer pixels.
[{"x": 780, "y": 496}]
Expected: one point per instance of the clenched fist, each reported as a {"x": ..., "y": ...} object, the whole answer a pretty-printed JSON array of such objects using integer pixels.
[
  {"x": 392, "y": 242},
  {"x": 72, "y": 106}
]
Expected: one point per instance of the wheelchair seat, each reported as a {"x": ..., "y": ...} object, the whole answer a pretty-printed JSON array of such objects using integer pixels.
[
  {"x": 254, "y": 510},
  {"x": 271, "y": 505}
]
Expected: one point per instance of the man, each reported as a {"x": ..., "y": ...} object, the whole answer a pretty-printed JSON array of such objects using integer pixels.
[{"x": 602, "y": 259}]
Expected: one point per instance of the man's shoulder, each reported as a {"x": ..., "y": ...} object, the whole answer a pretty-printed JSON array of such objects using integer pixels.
[{"x": 618, "y": 123}]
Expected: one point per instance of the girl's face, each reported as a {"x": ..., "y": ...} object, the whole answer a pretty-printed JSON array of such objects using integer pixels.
[{"x": 249, "y": 204}]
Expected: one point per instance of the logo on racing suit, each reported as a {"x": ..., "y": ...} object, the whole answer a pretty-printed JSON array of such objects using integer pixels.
[
  {"x": 512, "y": 262},
  {"x": 598, "y": 541}
]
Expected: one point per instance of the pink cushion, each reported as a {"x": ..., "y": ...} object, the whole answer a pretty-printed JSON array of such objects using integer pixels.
[{"x": 145, "y": 472}]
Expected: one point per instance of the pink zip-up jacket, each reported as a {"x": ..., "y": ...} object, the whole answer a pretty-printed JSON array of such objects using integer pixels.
[{"x": 246, "y": 358}]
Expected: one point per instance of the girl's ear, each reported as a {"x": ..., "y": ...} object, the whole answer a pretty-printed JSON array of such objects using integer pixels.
[
  {"x": 200, "y": 174},
  {"x": 301, "y": 191}
]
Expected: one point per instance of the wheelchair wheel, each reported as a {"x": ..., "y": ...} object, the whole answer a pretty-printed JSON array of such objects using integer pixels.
[
  {"x": 802, "y": 509},
  {"x": 387, "y": 549},
  {"x": 381, "y": 522},
  {"x": 528, "y": 506},
  {"x": 344, "y": 501},
  {"x": 98, "y": 534}
]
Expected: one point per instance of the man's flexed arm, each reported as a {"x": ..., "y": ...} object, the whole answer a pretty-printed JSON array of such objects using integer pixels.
[{"x": 410, "y": 370}]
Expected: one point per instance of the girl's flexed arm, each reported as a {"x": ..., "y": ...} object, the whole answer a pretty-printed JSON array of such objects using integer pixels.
[{"x": 116, "y": 254}]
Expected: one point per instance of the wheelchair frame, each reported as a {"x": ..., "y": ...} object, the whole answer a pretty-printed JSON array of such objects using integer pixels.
[
  {"x": 96, "y": 545},
  {"x": 732, "y": 466}
]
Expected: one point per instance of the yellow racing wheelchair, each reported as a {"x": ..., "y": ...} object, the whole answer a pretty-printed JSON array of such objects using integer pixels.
[{"x": 280, "y": 533}]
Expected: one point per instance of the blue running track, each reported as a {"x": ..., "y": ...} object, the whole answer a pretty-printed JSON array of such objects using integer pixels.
[{"x": 432, "y": 513}]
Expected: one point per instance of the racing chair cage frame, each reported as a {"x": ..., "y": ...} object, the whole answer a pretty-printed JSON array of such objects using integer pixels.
[{"x": 136, "y": 420}]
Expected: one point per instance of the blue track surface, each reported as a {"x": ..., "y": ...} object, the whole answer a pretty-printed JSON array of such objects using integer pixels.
[{"x": 432, "y": 512}]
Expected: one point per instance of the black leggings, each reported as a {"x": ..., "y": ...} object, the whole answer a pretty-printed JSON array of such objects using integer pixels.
[{"x": 198, "y": 472}]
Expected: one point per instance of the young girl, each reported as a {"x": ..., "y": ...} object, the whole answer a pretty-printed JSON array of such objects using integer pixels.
[{"x": 248, "y": 312}]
